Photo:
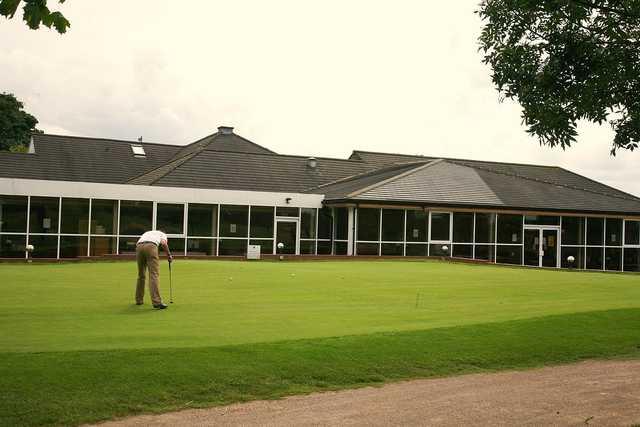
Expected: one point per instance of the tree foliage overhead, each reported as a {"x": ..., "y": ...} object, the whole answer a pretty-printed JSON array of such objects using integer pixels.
[
  {"x": 567, "y": 60},
  {"x": 16, "y": 125},
  {"x": 34, "y": 13}
]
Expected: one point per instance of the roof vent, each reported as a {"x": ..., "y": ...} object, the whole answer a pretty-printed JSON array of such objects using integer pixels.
[
  {"x": 138, "y": 150},
  {"x": 225, "y": 130},
  {"x": 312, "y": 163}
]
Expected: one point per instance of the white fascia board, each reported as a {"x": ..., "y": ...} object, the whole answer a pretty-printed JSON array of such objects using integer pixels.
[{"x": 46, "y": 188}]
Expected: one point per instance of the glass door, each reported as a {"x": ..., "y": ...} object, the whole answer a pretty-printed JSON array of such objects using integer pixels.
[
  {"x": 549, "y": 252},
  {"x": 287, "y": 234},
  {"x": 541, "y": 247},
  {"x": 532, "y": 247}
]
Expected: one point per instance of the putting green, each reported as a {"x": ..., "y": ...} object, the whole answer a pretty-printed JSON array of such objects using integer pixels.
[{"x": 88, "y": 306}]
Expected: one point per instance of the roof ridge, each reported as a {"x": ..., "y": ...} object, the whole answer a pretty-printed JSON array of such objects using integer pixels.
[
  {"x": 395, "y": 177},
  {"x": 254, "y": 143},
  {"x": 363, "y": 174},
  {"x": 106, "y": 139},
  {"x": 559, "y": 184},
  {"x": 636, "y": 198},
  {"x": 185, "y": 158},
  {"x": 456, "y": 159}
]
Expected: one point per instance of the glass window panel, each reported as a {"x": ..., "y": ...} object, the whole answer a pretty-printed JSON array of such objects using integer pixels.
[
  {"x": 202, "y": 220},
  {"x": 392, "y": 225},
  {"x": 485, "y": 227},
  {"x": 440, "y": 226},
  {"x": 102, "y": 246},
  {"x": 541, "y": 220},
  {"x": 287, "y": 211},
  {"x": 308, "y": 247},
  {"x": 75, "y": 216},
  {"x": 13, "y": 214},
  {"x": 44, "y": 246},
  {"x": 176, "y": 245},
  {"x": 509, "y": 228},
  {"x": 614, "y": 232},
  {"x": 506, "y": 254},
  {"x": 463, "y": 251},
  {"x": 613, "y": 259},
  {"x": 595, "y": 231},
  {"x": 575, "y": 252},
  {"x": 104, "y": 216},
  {"x": 233, "y": 222},
  {"x": 170, "y": 218},
  {"x": 417, "y": 226},
  {"x": 43, "y": 217},
  {"x": 262, "y": 221},
  {"x": 392, "y": 249},
  {"x": 632, "y": 259},
  {"x": 437, "y": 249},
  {"x": 325, "y": 223},
  {"x": 463, "y": 227},
  {"x": 203, "y": 247},
  {"x": 73, "y": 246},
  {"x": 135, "y": 217},
  {"x": 233, "y": 247},
  {"x": 266, "y": 246},
  {"x": 368, "y": 224},
  {"x": 572, "y": 230},
  {"x": 594, "y": 258},
  {"x": 127, "y": 245},
  {"x": 416, "y": 249},
  {"x": 308, "y": 223},
  {"x": 324, "y": 247},
  {"x": 368, "y": 248},
  {"x": 632, "y": 233},
  {"x": 485, "y": 252},
  {"x": 342, "y": 224},
  {"x": 340, "y": 248},
  {"x": 12, "y": 246}
]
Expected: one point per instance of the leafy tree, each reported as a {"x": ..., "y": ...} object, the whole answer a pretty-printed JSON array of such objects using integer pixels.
[
  {"x": 567, "y": 60},
  {"x": 34, "y": 13},
  {"x": 16, "y": 125}
]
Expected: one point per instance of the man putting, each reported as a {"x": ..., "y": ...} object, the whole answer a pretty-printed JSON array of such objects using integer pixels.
[{"x": 147, "y": 257}]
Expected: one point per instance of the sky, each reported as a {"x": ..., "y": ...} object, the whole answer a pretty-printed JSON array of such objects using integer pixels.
[{"x": 299, "y": 77}]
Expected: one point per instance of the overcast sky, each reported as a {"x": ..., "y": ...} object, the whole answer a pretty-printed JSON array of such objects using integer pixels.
[{"x": 299, "y": 77}]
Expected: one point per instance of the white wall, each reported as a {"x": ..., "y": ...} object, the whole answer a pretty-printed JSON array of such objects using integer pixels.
[{"x": 35, "y": 187}]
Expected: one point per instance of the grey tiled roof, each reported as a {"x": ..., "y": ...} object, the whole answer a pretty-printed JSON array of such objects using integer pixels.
[
  {"x": 227, "y": 161},
  {"x": 257, "y": 172},
  {"x": 550, "y": 174},
  {"x": 454, "y": 183},
  {"x": 67, "y": 158}
]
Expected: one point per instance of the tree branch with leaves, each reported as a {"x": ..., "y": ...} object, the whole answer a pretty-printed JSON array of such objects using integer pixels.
[
  {"x": 564, "y": 61},
  {"x": 35, "y": 13}
]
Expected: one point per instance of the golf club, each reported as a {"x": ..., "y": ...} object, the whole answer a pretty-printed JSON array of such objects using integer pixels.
[{"x": 170, "y": 285}]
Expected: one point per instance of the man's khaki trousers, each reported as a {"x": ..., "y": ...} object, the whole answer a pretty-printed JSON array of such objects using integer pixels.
[{"x": 147, "y": 257}]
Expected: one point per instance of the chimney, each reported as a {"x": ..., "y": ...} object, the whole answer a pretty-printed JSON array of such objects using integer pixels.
[
  {"x": 225, "y": 130},
  {"x": 312, "y": 163}
]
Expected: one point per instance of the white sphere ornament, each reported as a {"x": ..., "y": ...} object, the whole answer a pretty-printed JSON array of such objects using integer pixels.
[
  {"x": 30, "y": 248},
  {"x": 571, "y": 258},
  {"x": 280, "y": 245},
  {"x": 445, "y": 248}
]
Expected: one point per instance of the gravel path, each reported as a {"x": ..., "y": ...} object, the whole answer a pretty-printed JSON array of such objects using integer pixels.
[{"x": 587, "y": 393}]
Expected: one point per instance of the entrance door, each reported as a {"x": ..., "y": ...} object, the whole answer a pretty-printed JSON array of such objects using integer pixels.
[
  {"x": 287, "y": 234},
  {"x": 532, "y": 247},
  {"x": 541, "y": 247},
  {"x": 549, "y": 253}
]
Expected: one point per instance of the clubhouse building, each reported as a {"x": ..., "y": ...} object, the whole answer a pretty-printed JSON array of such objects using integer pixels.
[{"x": 74, "y": 197}]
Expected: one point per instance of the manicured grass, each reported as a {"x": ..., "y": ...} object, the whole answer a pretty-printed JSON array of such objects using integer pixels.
[{"x": 76, "y": 350}]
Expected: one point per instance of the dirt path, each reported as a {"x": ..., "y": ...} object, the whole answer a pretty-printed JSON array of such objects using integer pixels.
[{"x": 588, "y": 393}]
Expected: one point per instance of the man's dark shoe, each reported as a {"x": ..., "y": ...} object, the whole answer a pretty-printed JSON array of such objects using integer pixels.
[
  {"x": 139, "y": 303},
  {"x": 160, "y": 306}
]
